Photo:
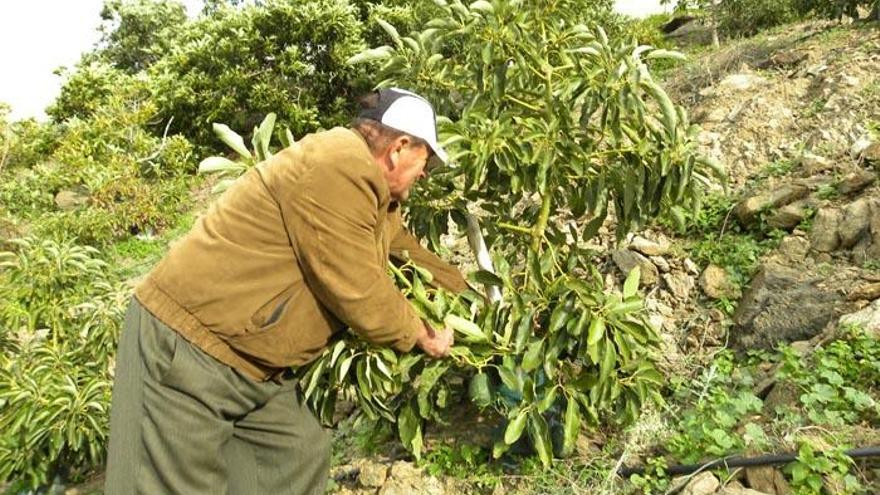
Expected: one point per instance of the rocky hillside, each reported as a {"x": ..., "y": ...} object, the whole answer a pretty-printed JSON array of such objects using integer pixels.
[{"x": 789, "y": 252}]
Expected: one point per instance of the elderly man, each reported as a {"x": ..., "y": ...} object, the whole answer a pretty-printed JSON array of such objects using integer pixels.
[{"x": 294, "y": 252}]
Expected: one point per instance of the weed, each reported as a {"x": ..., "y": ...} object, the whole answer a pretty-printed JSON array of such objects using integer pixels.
[
  {"x": 464, "y": 461},
  {"x": 815, "y": 107},
  {"x": 813, "y": 469},
  {"x": 724, "y": 401},
  {"x": 828, "y": 192},
  {"x": 778, "y": 168}
]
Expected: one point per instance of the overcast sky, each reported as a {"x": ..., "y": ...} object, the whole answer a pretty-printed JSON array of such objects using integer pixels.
[{"x": 38, "y": 36}]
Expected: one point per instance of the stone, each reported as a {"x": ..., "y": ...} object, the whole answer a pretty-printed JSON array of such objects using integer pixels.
[
  {"x": 782, "y": 304},
  {"x": 824, "y": 237},
  {"x": 626, "y": 260},
  {"x": 691, "y": 267},
  {"x": 748, "y": 209},
  {"x": 767, "y": 479},
  {"x": 783, "y": 60},
  {"x": 372, "y": 474},
  {"x": 867, "y": 318},
  {"x": 856, "y": 181},
  {"x": 704, "y": 483},
  {"x": 680, "y": 284},
  {"x": 716, "y": 284},
  {"x": 715, "y": 116},
  {"x": 741, "y": 82},
  {"x": 854, "y": 223},
  {"x": 404, "y": 470},
  {"x": 661, "y": 263},
  {"x": 789, "y": 216},
  {"x": 736, "y": 488},
  {"x": 865, "y": 292},
  {"x": 69, "y": 200},
  {"x": 871, "y": 154},
  {"x": 783, "y": 395},
  {"x": 648, "y": 247},
  {"x": 811, "y": 164},
  {"x": 794, "y": 248}
]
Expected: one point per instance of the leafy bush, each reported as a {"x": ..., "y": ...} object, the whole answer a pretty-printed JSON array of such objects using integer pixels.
[
  {"x": 130, "y": 181},
  {"x": 836, "y": 9},
  {"x": 241, "y": 63},
  {"x": 717, "y": 423},
  {"x": 748, "y": 17},
  {"x": 60, "y": 310}
]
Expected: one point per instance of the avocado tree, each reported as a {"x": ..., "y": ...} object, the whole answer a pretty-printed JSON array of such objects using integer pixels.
[{"x": 552, "y": 126}]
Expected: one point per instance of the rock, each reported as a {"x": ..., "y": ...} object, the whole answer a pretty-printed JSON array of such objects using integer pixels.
[
  {"x": 691, "y": 267},
  {"x": 783, "y": 395},
  {"x": 69, "y": 200},
  {"x": 824, "y": 237},
  {"x": 854, "y": 223},
  {"x": 783, "y": 60},
  {"x": 856, "y": 181},
  {"x": 406, "y": 479},
  {"x": 373, "y": 474},
  {"x": 626, "y": 260},
  {"x": 767, "y": 479},
  {"x": 811, "y": 164},
  {"x": 648, "y": 247},
  {"x": 716, "y": 284},
  {"x": 789, "y": 216},
  {"x": 867, "y": 292},
  {"x": 680, "y": 284},
  {"x": 748, "y": 209},
  {"x": 782, "y": 304},
  {"x": 871, "y": 154},
  {"x": 661, "y": 263},
  {"x": 736, "y": 488},
  {"x": 405, "y": 470},
  {"x": 741, "y": 82},
  {"x": 867, "y": 318},
  {"x": 794, "y": 248},
  {"x": 704, "y": 483},
  {"x": 715, "y": 116}
]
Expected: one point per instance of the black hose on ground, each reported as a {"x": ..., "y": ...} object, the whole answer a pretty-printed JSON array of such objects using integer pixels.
[{"x": 735, "y": 462}]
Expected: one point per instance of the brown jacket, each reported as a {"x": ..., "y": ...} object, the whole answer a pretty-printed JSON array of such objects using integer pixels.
[{"x": 295, "y": 250}]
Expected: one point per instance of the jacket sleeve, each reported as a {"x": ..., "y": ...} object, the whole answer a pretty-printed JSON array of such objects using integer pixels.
[
  {"x": 332, "y": 219},
  {"x": 445, "y": 275}
]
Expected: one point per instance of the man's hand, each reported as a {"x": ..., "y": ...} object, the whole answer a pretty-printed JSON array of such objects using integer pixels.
[{"x": 435, "y": 344}]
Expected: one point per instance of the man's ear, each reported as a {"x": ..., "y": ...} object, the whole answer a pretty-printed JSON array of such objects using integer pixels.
[{"x": 396, "y": 147}]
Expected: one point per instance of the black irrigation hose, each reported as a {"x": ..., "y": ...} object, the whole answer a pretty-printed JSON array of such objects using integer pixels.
[{"x": 734, "y": 462}]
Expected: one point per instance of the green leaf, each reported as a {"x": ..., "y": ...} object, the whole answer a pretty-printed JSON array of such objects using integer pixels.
[
  {"x": 232, "y": 140},
  {"x": 571, "y": 426},
  {"x": 632, "y": 283},
  {"x": 409, "y": 427},
  {"x": 668, "y": 54},
  {"x": 371, "y": 55},
  {"x": 487, "y": 277},
  {"x": 533, "y": 356},
  {"x": 468, "y": 329},
  {"x": 540, "y": 436},
  {"x": 265, "y": 135},
  {"x": 515, "y": 427},
  {"x": 219, "y": 164},
  {"x": 597, "y": 330}
]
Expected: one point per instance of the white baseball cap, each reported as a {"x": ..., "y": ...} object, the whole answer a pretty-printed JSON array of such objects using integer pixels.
[{"x": 409, "y": 113}]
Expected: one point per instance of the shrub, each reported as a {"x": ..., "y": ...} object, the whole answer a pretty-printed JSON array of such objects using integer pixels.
[
  {"x": 131, "y": 181},
  {"x": 60, "y": 309}
]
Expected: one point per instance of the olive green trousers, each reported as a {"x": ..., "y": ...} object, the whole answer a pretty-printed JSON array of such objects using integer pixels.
[{"x": 181, "y": 422}]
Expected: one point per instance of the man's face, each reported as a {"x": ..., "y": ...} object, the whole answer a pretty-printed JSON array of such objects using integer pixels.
[{"x": 407, "y": 165}]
